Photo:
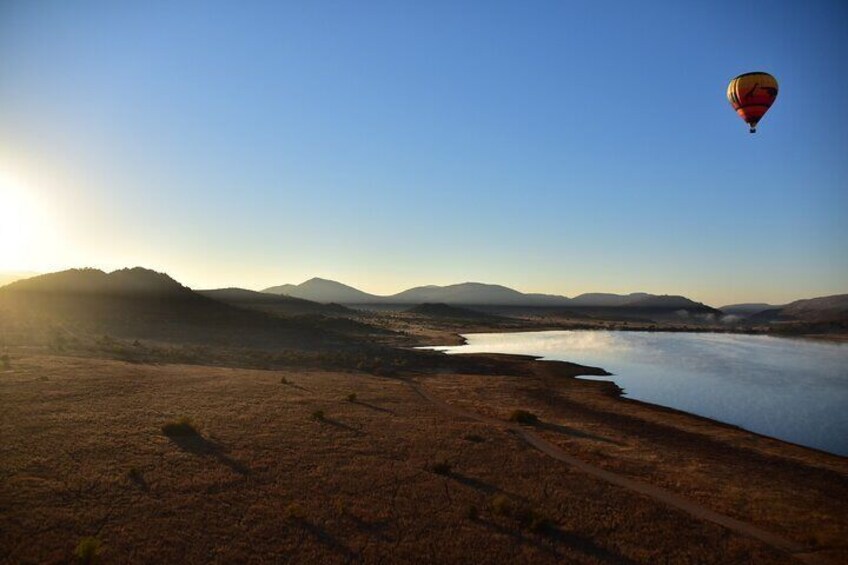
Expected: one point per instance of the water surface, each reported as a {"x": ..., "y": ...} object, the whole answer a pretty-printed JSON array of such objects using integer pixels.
[{"x": 792, "y": 389}]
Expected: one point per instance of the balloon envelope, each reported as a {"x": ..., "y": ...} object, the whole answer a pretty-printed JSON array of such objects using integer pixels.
[{"x": 751, "y": 95}]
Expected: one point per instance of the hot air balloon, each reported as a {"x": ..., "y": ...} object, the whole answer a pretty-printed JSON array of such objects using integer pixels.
[{"x": 751, "y": 95}]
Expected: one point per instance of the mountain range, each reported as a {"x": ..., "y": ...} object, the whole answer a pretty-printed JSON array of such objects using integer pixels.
[
  {"x": 132, "y": 296},
  {"x": 481, "y": 294}
]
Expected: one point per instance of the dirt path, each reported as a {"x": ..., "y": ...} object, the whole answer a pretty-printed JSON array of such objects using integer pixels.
[{"x": 657, "y": 493}]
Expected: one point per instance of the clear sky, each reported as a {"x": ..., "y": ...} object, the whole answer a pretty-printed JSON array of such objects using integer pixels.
[{"x": 557, "y": 147}]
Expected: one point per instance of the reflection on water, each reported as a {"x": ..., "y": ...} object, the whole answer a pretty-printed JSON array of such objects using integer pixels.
[{"x": 795, "y": 390}]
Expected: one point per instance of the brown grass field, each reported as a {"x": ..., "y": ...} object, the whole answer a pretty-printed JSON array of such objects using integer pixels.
[{"x": 284, "y": 467}]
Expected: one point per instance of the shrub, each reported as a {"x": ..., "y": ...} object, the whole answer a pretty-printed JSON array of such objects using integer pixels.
[
  {"x": 523, "y": 417},
  {"x": 318, "y": 415},
  {"x": 295, "y": 511},
  {"x": 351, "y": 397},
  {"x": 475, "y": 438},
  {"x": 500, "y": 505},
  {"x": 472, "y": 512},
  {"x": 180, "y": 428},
  {"x": 88, "y": 550},
  {"x": 540, "y": 524},
  {"x": 443, "y": 468},
  {"x": 6, "y": 361},
  {"x": 532, "y": 520},
  {"x": 527, "y": 518},
  {"x": 284, "y": 381}
]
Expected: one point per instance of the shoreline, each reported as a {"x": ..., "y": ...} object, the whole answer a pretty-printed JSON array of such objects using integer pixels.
[
  {"x": 460, "y": 339},
  {"x": 620, "y": 393}
]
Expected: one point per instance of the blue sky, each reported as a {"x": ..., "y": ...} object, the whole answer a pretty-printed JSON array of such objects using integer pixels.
[{"x": 556, "y": 147}]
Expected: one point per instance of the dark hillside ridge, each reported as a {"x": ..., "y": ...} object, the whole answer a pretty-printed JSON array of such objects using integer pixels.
[
  {"x": 671, "y": 302},
  {"x": 748, "y": 309},
  {"x": 818, "y": 309},
  {"x": 274, "y": 303},
  {"x": 441, "y": 310},
  {"x": 140, "y": 303},
  {"x": 94, "y": 281},
  {"x": 607, "y": 299}
]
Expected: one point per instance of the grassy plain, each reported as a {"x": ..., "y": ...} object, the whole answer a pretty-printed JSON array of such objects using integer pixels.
[{"x": 384, "y": 477}]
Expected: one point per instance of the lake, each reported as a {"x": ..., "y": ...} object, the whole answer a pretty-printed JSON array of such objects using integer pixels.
[{"x": 792, "y": 389}]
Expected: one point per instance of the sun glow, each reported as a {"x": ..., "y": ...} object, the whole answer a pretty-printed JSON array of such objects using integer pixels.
[{"x": 26, "y": 234}]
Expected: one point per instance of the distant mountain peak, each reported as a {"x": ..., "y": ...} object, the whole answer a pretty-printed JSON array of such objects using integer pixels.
[
  {"x": 322, "y": 280},
  {"x": 324, "y": 291}
]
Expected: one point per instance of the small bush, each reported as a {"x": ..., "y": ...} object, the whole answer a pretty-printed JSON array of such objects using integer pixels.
[
  {"x": 540, "y": 524},
  {"x": 135, "y": 475},
  {"x": 5, "y": 362},
  {"x": 523, "y": 417},
  {"x": 284, "y": 381},
  {"x": 474, "y": 438},
  {"x": 501, "y": 505},
  {"x": 443, "y": 468},
  {"x": 532, "y": 520},
  {"x": 472, "y": 512},
  {"x": 295, "y": 511},
  {"x": 351, "y": 397},
  {"x": 180, "y": 428},
  {"x": 318, "y": 415},
  {"x": 88, "y": 550}
]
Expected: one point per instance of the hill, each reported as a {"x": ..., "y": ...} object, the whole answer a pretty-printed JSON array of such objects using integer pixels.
[
  {"x": 826, "y": 314},
  {"x": 748, "y": 309},
  {"x": 607, "y": 299},
  {"x": 280, "y": 304},
  {"x": 471, "y": 293},
  {"x": 440, "y": 310},
  {"x": 670, "y": 303},
  {"x": 7, "y": 277},
  {"x": 324, "y": 291},
  {"x": 824, "y": 308},
  {"x": 140, "y": 303}
]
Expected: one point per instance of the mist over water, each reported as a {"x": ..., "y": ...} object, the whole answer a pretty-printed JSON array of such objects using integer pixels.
[{"x": 792, "y": 389}]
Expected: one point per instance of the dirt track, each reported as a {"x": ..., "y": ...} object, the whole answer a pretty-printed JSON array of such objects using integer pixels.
[{"x": 657, "y": 493}]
